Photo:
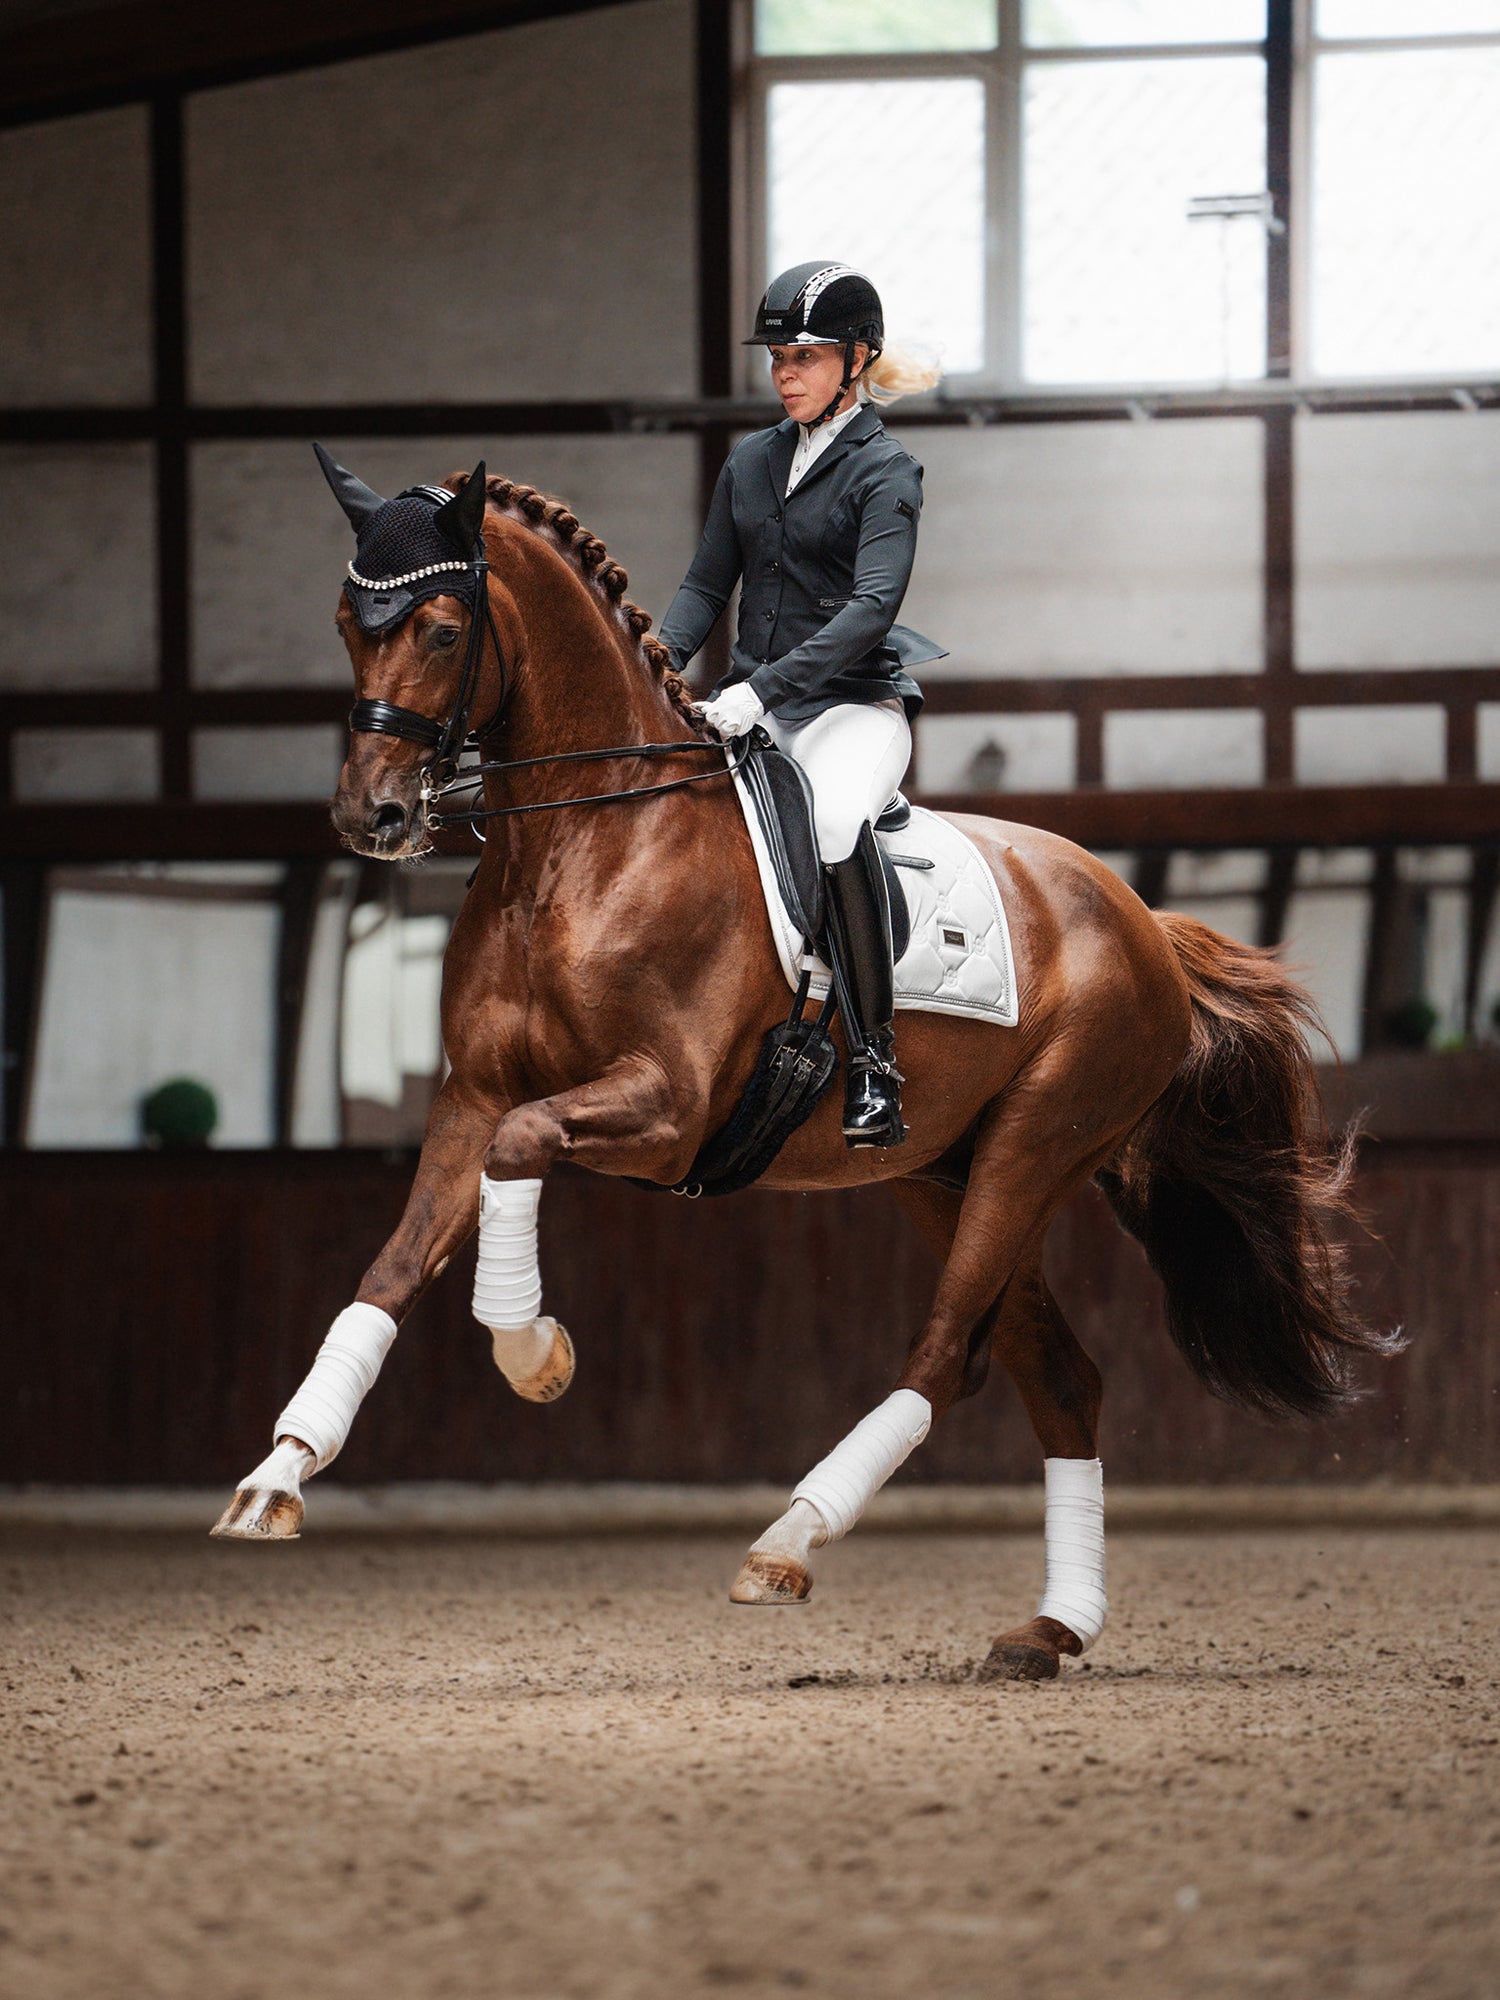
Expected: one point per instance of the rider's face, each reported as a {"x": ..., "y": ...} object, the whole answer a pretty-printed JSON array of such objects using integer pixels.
[{"x": 807, "y": 378}]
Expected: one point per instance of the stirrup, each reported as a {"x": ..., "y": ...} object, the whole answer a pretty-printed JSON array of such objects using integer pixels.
[{"x": 872, "y": 1103}]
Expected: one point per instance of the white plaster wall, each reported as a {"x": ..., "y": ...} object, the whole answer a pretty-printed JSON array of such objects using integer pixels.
[
  {"x": 139, "y": 989},
  {"x": 507, "y": 215},
  {"x": 287, "y": 761},
  {"x": 1405, "y": 743},
  {"x": 1040, "y": 751},
  {"x": 1398, "y": 540},
  {"x": 1489, "y": 740},
  {"x": 1183, "y": 749},
  {"x": 78, "y": 582},
  {"x": 271, "y": 544},
  {"x": 75, "y": 271},
  {"x": 1326, "y": 941},
  {"x": 1090, "y": 548},
  {"x": 56, "y": 766}
]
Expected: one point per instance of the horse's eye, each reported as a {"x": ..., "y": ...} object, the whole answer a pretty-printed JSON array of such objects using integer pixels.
[{"x": 445, "y": 638}]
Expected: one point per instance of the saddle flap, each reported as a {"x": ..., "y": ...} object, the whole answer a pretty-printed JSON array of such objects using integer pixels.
[
  {"x": 782, "y": 797},
  {"x": 900, "y": 908}
]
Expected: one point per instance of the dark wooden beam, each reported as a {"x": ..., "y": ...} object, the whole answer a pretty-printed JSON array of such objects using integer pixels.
[
  {"x": 1276, "y": 897},
  {"x": 1336, "y": 688},
  {"x": 108, "y": 55},
  {"x": 173, "y": 501},
  {"x": 23, "y": 901},
  {"x": 207, "y": 422},
  {"x": 1281, "y": 60},
  {"x": 1267, "y": 816},
  {"x": 1483, "y": 887},
  {"x": 1271, "y": 816},
  {"x": 300, "y": 889},
  {"x": 715, "y": 189}
]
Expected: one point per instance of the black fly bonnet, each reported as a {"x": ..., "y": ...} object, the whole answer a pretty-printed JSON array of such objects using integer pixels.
[{"x": 427, "y": 542}]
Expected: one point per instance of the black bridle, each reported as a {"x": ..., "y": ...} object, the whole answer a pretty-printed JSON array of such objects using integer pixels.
[{"x": 447, "y": 740}]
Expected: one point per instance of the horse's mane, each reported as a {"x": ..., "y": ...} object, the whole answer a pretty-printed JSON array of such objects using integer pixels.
[{"x": 587, "y": 555}]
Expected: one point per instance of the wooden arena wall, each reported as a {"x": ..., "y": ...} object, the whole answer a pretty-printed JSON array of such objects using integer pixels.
[{"x": 161, "y": 1309}]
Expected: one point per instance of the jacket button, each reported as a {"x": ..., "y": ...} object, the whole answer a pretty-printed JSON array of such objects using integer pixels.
[
  {"x": 768, "y": 616},
  {"x": 773, "y": 569}
]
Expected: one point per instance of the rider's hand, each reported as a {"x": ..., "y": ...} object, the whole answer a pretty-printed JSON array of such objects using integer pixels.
[{"x": 734, "y": 712}]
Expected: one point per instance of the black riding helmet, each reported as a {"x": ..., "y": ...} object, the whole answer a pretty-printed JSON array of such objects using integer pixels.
[{"x": 821, "y": 304}]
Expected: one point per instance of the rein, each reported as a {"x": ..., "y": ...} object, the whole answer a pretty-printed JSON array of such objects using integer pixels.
[{"x": 476, "y": 774}]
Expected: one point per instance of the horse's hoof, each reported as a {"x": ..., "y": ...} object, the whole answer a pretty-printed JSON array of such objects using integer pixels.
[
  {"x": 555, "y": 1373},
  {"x": 1031, "y": 1653},
  {"x": 767, "y": 1579},
  {"x": 260, "y": 1514}
]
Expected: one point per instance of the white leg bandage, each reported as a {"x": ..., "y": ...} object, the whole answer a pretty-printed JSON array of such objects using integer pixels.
[
  {"x": 842, "y": 1486},
  {"x": 1074, "y": 1589},
  {"x": 348, "y": 1361},
  {"x": 508, "y": 1277}
]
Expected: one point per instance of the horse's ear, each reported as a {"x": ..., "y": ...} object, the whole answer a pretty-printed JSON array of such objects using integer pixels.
[
  {"x": 352, "y": 494},
  {"x": 462, "y": 517}
]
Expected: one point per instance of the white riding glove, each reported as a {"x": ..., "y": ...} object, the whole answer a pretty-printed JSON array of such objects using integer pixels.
[{"x": 733, "y": 713}]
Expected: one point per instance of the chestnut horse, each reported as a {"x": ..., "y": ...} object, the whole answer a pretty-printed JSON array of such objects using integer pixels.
[{"x": 611, "y": 976}]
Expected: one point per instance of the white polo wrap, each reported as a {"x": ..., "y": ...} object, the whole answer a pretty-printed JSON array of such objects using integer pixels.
[
  {"x": 1073, "y": 1593},
  {"x": 844, "y": 1483},
  {"x": 507, "y": 1277},
  {"x": 339, "y": 1380}
]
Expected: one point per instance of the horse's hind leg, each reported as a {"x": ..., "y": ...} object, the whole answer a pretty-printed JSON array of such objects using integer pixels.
[
  {"x": 1060, "y": 1388},
  {"x": 776, "y": 1570}
]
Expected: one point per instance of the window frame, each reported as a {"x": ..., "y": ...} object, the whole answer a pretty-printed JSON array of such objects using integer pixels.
[{"x": 1002, "y": 71}]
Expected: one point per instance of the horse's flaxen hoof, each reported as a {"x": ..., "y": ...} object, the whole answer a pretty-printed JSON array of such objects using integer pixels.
[
  {"x": 1031, "y": 1653},
  {"x": 260, "y": 1514},
  {"x": 553, "y": 1377},
  {"x": 767, "y": 1579}
]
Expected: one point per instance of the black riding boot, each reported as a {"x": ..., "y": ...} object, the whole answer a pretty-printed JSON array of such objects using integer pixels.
[{"x": 859, "y": 941}]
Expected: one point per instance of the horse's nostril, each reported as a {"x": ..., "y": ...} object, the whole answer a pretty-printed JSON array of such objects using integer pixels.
[{"x": 389, "y": 822}]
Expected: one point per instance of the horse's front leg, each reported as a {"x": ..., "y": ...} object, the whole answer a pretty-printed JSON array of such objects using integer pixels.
[
  {"x": 627, "y": 1121},
  {"x": 311, "y": 1430}
]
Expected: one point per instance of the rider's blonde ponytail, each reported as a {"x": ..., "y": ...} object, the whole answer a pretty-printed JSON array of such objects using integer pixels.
[{"x": 900, "y": 371}]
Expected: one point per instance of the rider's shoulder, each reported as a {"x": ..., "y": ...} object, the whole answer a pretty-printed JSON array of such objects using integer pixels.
[{"x": 759, "y": 442}]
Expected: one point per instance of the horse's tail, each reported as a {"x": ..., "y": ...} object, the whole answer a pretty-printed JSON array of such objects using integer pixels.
[{"x": 1230, "y": 1182}]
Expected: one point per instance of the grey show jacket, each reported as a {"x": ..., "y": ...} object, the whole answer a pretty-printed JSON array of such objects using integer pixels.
[{"x": 822, "y": 571}]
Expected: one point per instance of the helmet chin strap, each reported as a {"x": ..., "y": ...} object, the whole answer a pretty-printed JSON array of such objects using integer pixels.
[{"x": 843, "y": 390}]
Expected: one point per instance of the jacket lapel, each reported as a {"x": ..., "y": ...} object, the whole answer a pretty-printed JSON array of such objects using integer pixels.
[
  {"x": 859, "y": 430},
  {"x": 780, "y": 449}
]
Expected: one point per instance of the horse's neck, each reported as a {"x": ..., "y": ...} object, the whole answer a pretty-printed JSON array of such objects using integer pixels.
[{"x": 580, "y": 687}]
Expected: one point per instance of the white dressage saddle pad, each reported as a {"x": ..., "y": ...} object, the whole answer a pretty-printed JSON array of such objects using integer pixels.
[{"x": 959, "y": 960}]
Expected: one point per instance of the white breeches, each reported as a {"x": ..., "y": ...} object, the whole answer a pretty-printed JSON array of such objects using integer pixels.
[{"x": 855, "y": 756}]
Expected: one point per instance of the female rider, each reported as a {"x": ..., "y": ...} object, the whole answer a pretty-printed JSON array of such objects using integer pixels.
[{"x": 817, "y": 520}]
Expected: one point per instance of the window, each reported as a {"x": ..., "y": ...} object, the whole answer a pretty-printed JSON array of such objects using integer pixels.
[
  {"x": 1405, "y": 241},
  {"x": 1060, "y": 191},
  {"x": 1075, "y": 192}
]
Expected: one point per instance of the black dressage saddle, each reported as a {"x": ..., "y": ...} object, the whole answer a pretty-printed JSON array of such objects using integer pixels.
[{"x": 782, "y": 797}]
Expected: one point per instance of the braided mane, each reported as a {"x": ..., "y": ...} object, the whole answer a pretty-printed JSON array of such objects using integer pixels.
[{"x": 587, "y": 555}]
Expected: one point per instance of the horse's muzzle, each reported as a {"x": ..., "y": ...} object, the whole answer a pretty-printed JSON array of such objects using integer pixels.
[{"x": 382, "y": 829}]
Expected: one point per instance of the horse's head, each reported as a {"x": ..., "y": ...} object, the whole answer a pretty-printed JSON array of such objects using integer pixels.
[{"x": 416, "y": 619}]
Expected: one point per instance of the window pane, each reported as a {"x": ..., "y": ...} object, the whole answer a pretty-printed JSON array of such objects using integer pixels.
[
  {"x": 1119, "y": 285},
  {"x": 1406, "y": 234},
  {"x": 871, "y": 27},
  {"x": 888, "y": 177},
  {"x": 1060, "y": 24},
  {"x": 1364, "y": 19}
]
